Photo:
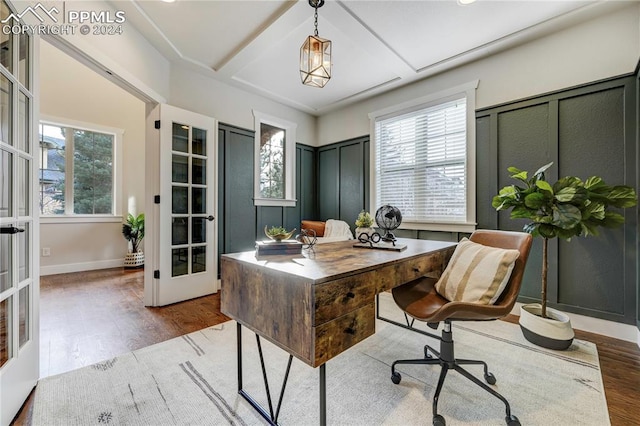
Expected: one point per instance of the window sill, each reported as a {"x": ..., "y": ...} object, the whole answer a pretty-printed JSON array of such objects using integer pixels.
[
  {"x": 80, "y": 219},
  {"x": 441, "y": 226},
  {"x": 272, "y": 202}
]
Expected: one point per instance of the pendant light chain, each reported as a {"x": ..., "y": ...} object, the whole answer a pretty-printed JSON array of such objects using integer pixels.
[{"x": 315, "y": 17}]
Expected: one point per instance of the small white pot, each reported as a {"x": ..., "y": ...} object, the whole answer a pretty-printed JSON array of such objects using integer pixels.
[
  {"x": 368, "y": 231},
  {"x": 554, "y": 332},
  {"x": 134, "y": 260}
]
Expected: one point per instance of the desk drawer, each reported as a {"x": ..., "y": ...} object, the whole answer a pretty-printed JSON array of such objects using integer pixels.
[
  {"x": 335, "y": 337},
  {"x": 432, "y": 266},
  {"x": 416, "y": 268},
  {"x": 339, "y": 297}
]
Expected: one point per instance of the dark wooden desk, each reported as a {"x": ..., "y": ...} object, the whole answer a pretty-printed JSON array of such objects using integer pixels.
[{"x": 317, "y": 305}]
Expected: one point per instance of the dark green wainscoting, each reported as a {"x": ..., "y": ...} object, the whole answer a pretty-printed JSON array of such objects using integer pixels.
[
  {"x": 585, "y": 131},
  {"x": 240, "y": 223},
  {"x": 343, "y": 180}
]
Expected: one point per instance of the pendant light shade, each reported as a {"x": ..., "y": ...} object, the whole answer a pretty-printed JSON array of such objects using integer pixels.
[
  {"x": 315, "y": 61},
  {"x": 315, "y": 55}
]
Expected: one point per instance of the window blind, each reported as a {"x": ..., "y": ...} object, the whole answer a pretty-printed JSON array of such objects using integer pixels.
[{"x": 421, "y": 162}]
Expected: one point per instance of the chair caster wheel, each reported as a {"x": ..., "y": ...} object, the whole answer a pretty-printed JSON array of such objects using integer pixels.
[
  {"x": 396, "y": 377},
  {"x": 512, "y": 420},
  {"x": 438, "y": 420},
  {"x": 490, "y": 378}
]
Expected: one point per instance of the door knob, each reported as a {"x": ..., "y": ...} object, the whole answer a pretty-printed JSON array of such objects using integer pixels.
[
  {"x": 11, "y": 230},
  {"x": 210, "y": 218}
]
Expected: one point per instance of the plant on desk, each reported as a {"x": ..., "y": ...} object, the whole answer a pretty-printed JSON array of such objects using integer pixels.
[
  {"x": 278, "y": 233},
  {"x": 364, "y": 224}
]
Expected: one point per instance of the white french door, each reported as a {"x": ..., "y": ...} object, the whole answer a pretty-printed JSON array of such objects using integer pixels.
[
  {"x": 187, "y": 238},
  {"x": 19, "y": 282}
]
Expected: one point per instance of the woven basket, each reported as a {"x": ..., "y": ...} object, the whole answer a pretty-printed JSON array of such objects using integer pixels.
[{"x": 134, "y": 260}]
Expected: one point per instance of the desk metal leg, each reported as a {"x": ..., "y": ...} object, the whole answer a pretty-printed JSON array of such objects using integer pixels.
[
  {"x": 271, "y": 417},
  {"x": 323, "y": 396},
  {"x": 239, "y": 349}
]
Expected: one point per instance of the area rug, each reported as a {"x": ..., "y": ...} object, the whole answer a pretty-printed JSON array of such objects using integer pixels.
[{"x": 192, "y": 380}]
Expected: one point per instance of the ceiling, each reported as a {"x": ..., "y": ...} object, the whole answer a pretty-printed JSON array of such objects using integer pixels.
[{"x": 377, "y": 45}]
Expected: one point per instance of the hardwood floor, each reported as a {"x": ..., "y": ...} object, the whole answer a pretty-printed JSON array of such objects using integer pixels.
[{"x": 92, "y": 316}]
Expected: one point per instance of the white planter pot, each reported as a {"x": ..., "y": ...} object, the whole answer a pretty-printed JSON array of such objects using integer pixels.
[
  {"x": 554, "y": 332},
  {"x": 134, "y": 260},
  {"x": 368, "y": 231}
]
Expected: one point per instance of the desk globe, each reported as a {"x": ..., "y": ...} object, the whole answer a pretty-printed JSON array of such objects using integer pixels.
[{"x": 388, "y": 218}]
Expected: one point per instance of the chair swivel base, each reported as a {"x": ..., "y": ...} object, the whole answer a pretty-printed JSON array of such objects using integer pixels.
[{"x": 448, "y": 362}]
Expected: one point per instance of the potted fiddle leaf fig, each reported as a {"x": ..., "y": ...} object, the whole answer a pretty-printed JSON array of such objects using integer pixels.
[
  {"x": 133, "y": 232},
  {"x": 565, "y": 209}
]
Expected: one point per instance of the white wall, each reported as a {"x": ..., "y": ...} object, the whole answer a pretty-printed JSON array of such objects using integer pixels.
[
  {"x": 601, "y": 48},
  {"x": 128, "y": 55},
  {"x": 72, "y": 91},
  {"x": 198, "y": 93}
]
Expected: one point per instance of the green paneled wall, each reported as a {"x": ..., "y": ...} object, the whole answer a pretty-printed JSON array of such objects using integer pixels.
[
  {"x": 328, "y": 176},
  {"x": 343, "y": 180},
  {"x": 240, "y": 223},
  {"x": 584, "y": 131},
  {"x": 306, "y": 182},
  {"x": 236, "y": 212}
]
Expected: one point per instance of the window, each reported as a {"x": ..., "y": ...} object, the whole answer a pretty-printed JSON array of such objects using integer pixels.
[
  {"x": 271, "y": 161},
  {"x": 275, "y": 153},
  {"x": 77, "y": 170},
  {"x": 424, "y": 160}
]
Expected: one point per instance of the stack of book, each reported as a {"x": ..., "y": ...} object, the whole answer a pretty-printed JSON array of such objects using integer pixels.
[{"x": 288, "y": 247}]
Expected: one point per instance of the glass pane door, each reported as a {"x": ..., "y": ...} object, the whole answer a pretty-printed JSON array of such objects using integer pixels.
[
  {"x": 188, "y": 200},
  {"x": 19, "y": 366},
  {"x": 187, "y": 251}
]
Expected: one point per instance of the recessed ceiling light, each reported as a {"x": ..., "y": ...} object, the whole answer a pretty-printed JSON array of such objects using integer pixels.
[
  {"x": 169, "y": 1},
  {"x": 460, "y": 2}
]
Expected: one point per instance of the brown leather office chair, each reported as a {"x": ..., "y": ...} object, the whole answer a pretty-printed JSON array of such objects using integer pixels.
[{"x": 419, "y": 300}]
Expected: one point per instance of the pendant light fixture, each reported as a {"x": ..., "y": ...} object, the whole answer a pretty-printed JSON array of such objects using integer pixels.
[{"x": 315, "y": 55}]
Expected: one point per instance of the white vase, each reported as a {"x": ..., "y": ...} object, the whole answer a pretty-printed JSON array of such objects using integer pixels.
[
  {"x": 369, "y": 231},
  {"x": 134, "y": 260},
  {"x": 554, "y": 332}
]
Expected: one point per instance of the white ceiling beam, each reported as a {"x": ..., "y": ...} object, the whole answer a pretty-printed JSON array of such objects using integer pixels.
[{"x": 291, "y": 19}]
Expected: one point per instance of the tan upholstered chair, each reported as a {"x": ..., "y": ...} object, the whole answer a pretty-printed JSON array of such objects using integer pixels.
[{"x": 419, "y": 300}]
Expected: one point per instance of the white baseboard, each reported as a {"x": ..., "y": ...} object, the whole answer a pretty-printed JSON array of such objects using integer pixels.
[
  {"x": 617, "y": 330},
  {"x": 79, "y": 267}
]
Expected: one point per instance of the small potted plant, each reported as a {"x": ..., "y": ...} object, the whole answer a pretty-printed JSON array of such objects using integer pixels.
[
  {"x": 278, "y": 233},
  {"x": 364, "y": 224},
  {"x": 568, "y": 208},
  {"x": 133, "y": 232}
]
